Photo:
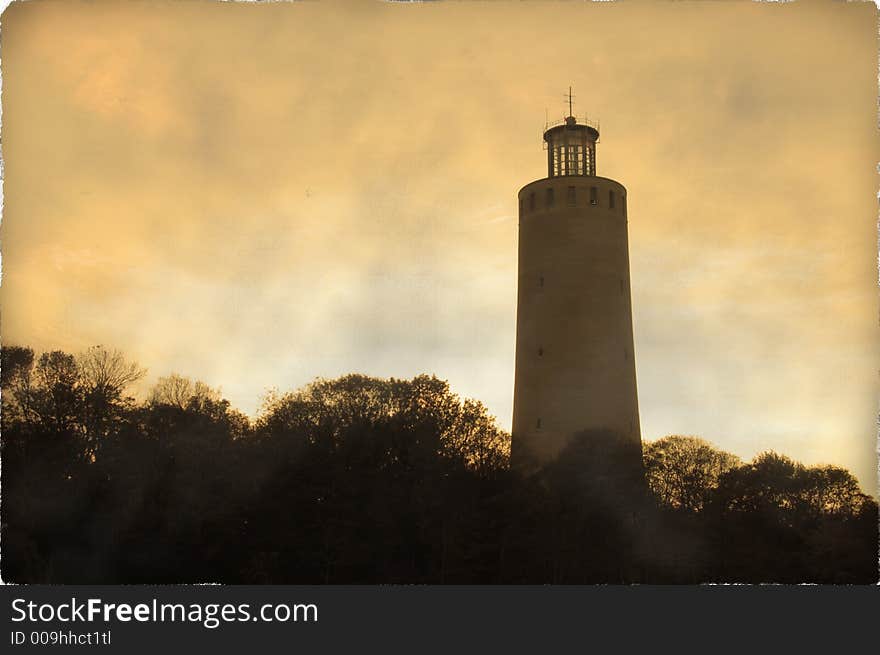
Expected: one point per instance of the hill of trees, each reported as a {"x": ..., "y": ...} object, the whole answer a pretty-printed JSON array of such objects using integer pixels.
[{"x": 365, "y": 480}]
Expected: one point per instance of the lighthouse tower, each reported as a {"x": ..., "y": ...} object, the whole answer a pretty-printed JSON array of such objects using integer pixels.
[{"x": 575, "y": 368}]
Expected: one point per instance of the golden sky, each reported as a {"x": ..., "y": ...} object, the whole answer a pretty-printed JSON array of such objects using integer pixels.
[{"x": 259, "y": 194}]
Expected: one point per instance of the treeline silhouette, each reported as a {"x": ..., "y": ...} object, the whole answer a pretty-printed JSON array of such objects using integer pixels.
[{"x": 365, "y": 480}]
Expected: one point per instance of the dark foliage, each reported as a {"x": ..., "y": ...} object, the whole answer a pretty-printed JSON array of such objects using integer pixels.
[{"x": 363, "y": 480}]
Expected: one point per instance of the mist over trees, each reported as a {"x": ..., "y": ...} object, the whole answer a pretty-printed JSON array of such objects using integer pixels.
[{"x": 366, "y": 480}]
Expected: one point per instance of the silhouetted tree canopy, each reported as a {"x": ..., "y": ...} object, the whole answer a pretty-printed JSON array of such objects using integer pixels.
[
  {"x": 683, "y": 472},
  {"x": 180, "y": 392},
  {"x": 367, "y": 480},
  {"x": 16, "y": 361}
]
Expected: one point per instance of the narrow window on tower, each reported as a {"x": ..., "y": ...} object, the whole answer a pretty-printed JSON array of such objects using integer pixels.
[
  {"x": 549, "y": 200},
  {"x": 594, "y": 196},
  {"x": 572, "y": 196},
  {"x": 540, "y": 352},
  {"x": 611, "y": 200},
  {"x": 531, "y": 202},
  {"x": 538, "y": 424},
  {"x": 541, "y": 281}
]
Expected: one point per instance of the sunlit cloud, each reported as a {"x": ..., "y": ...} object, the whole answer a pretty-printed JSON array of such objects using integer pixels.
[{"x": 256, "y": 195}]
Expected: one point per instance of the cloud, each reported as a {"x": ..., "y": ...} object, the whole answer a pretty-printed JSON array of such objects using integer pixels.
[{"x": 255, "y": 195}]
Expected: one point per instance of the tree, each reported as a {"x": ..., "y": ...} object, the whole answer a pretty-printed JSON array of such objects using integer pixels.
[
  {"x": 181, "y": 392},
  {"x": 15, "y": 361},
  {"x": 833, "y": 490},
  {"x": 409, "y": 453},
  {"x": 798, "y": 494},
  {"x": 16, "y": 369},
  {"x": 370, "y": 480},
  {"x": 780, "y": 521},
  {"x": 57, "y": 397},
  {"x": 105, "y": 375},
  {"x": 683, "y": 471},
  {"x": 477, "y": 440},
  {"x": 435, "y": 420}
]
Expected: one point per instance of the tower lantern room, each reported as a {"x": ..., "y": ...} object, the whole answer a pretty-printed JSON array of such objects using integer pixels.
[{"x": 571, "y": 149}]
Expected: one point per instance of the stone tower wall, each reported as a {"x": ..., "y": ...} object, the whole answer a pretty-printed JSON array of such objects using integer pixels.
[{"x": 575, "y": 366}]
